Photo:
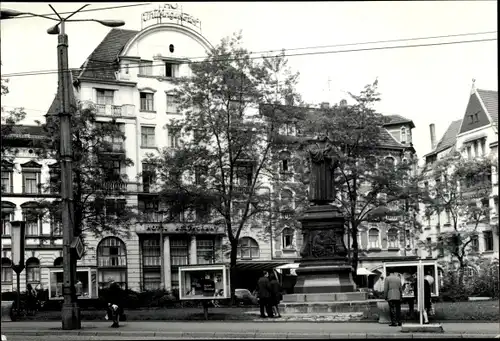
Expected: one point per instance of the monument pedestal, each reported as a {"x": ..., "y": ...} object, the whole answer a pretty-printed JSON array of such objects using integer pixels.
[{"x": 325, "y": 282}]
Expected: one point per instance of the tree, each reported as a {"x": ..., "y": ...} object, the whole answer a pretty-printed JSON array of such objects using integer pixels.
[
  {"x": 9, "y": 125},
  {"x": 460, "y": 189},
  {"x": 222, "y": 160},
  {"x": 99, "y": 178},
  {"x": 369, "y": 186}
]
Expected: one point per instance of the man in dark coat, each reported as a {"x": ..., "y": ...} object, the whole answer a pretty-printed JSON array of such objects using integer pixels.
[
  {"x": 393, "y": 292},
  {"x": 264, "y": 290}
]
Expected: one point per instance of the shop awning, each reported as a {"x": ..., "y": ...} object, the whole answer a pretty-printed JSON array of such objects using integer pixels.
[
  {"x": 364, "y": 272},
  {"x": 288, "y": 266},
  {"x": 258, "y": 265}
]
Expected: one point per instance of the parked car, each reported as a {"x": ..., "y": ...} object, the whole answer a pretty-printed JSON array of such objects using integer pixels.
[{"x": 245, "y": 297}]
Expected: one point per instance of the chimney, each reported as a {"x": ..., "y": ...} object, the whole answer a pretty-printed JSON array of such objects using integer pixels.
[
  {"x": 324, "y": 105},
  {"x": 433, "y": 135}
]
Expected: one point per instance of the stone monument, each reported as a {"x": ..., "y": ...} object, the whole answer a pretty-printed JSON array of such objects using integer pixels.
[{"x": 325, "y": 282}]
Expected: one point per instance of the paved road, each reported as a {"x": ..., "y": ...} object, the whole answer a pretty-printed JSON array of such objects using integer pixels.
[{"x": 135, "y": 330}]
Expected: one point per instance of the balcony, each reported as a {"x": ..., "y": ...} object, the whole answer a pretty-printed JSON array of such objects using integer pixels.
[
  {"x": 116, "y": 111},
  {"x": 112, "y": 148}
]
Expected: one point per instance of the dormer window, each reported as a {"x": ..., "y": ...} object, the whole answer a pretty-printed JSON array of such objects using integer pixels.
[{"x": 403, "y": 135}]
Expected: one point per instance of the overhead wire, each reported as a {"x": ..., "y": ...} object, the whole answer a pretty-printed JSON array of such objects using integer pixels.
[
  {"x": 101, "y": 68},
  {"x": 24, "y": 16}
]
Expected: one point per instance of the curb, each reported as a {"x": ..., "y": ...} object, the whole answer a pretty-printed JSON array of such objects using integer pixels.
[{"x": 245, "y": 335}]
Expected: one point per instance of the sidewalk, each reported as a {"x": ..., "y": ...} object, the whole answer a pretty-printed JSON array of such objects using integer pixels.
[{"x": 229, "y": 329}]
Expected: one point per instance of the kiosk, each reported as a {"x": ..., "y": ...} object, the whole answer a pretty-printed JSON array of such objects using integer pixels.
[
  {"x": 204, "y": 282},
  {"x": 86, "y": 284}
]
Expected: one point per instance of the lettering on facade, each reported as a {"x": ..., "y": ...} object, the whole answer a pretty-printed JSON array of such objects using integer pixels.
[
  {"x": 170, "y": 12},
  {"x": 176, "y": 228}
]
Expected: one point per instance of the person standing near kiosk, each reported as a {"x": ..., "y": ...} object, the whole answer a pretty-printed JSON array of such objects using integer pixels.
[{"x": 393, "y": 292}]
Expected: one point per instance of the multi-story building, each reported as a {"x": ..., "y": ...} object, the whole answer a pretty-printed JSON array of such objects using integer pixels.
[{"x": 474, "y": 136}]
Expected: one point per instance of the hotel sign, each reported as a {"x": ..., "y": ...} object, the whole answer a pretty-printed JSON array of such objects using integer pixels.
[
  {"x": 170, "y": 12},
  {"x": 173, "y": 228}
]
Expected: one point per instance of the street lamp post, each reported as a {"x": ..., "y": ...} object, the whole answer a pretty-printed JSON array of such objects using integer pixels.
[
  {"x": 17, "y": 247},
  {"x": 71, "y": 235}
]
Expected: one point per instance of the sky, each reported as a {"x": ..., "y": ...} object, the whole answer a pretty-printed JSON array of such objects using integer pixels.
[{"x": 429, "y": 84}]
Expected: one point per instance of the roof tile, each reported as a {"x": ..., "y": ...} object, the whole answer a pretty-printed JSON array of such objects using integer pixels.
[
  {"x": 449, "y": 138},
  {"x": 490, "y": 100}
]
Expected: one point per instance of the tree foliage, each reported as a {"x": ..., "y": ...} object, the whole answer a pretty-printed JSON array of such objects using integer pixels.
[
  {"x": 459, "y": 189},
  {"x": 99, "y": 178},
  {"x": 369, "y": 186},
  {"x": 221, "y": 165},
  {"x": 10, "y": 120}
]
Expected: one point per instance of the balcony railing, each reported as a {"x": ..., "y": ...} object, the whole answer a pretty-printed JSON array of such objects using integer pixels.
[{"x": 126, "y": 110}]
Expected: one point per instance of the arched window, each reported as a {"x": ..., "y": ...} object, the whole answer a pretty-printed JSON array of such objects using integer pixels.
[
  {"x": 112, "y": 262},
  {"x": 58, "y": 262},
  {"x": 287, "y": 236},
  {"x": 6, "y": 271},
  {"x": 33, "y": 271},
  {"x": 403, "y": 135},
  {"x": 392, "y": 238},
  {"x": 373, "y": 238},
  {"x": 248, "y": 248}
]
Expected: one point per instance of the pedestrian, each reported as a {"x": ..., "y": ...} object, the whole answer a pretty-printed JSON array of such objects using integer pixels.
[
  {"x": 264, "y": 291},
  {"x": 113, "y": 313},
  {"x": 116, "y": 298},
  {"x": 428, "y": 281},
  {"x": 276, "y": 295},
  {"x": 393, "y": 292}
]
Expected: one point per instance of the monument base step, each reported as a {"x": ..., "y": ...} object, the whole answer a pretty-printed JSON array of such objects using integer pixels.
[
  {"x": 324, "y": 317},
  {"x": 325, "y": 297},
  {"x": 422, "y": 328},
  {"x": 367, "y": 307}
]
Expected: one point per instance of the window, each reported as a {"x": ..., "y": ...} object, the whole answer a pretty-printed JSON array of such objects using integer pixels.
[
  {"x": 389, "y": 161},
  {"x": 6, "y": 271},
  {"x": 147, "y": 101},
  {"x": 31, "y": 182},
  {"x": 244, "y": 173},
  {"x": 476, "y": 118},
  {"x": 171, "y": 69},
  {"x": 474, "y": 243},
  {"x": 483, "y": 147},
  {"x": 115, "y": 207},
  {"x": 287, "y": 199},
  {"x": 149, "y": 208},
  {"x": 148, "y": 176},
  {"x": 32, "y": 220},
  {"x": 448, "y": 216},
  {"x": 55, "y": 178},
  {"x": 173, "y": 137},
  {"x": 373, "y": 241},
  {"x": 488, "y": 240},
  {"x": 151, "y": 260},
  {"x": 403, "y": 135},
  {"x": 205, "y": 251},
  {"x": 56, "y": 224},
  {"x": 471, "y": 119},
  {"x": 105, "y": 97},
  {"x": 179, "y": 252},
  {"x": 248, "y": 248},
  {"x": 112, "y": 262},
  {"x": 476, "y": 148},
  {"x": 147, "y": 136},
  {"x": 371, "y": 161},
  {"x": 33, "y": 271},
  {"x": 392, "y": 239},
  {"x": 7, "y": 217},
  {"x": 112, "y": 170},
  {"x": 7, "y": 181},
  {"x": 284, "y": 165},
  {"x": 287, "y": 236},
  {"x": 469, "y": 152},
  {"x": 172, "y": 104},
  {"x": 146, "y": 68},
  {"x": 58, "y": 262}
]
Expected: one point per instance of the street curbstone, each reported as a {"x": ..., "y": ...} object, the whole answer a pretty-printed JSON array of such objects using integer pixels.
[
  {"x": 307, "y": 336},
  {"x": 198, "y": 335},
  {"x": 433, "y": 335},
  {"x": 168, "y": 334},
  {"x": 395, "y": 335},
  {"x": 264, "y": 335},
  {"x": 478, "y": 336},
  {"x": 339, "y": 335},
  {"x": 357, "y": 336},
  {"x": 233, "y": 335}
]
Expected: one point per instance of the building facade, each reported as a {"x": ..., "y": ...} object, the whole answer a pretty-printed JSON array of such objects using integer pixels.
[{"x": 473, "y": 136}]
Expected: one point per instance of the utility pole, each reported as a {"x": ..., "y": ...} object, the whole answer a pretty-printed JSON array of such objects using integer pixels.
[{"x": 70, "y": 310}]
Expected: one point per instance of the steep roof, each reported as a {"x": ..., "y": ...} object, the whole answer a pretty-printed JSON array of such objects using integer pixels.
[
  {"x": 398, "y": 119},
  {"x": 490, "y": 101},
  {"x": 102, "y": 62},
  {"x": 449, "y": 137}
]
